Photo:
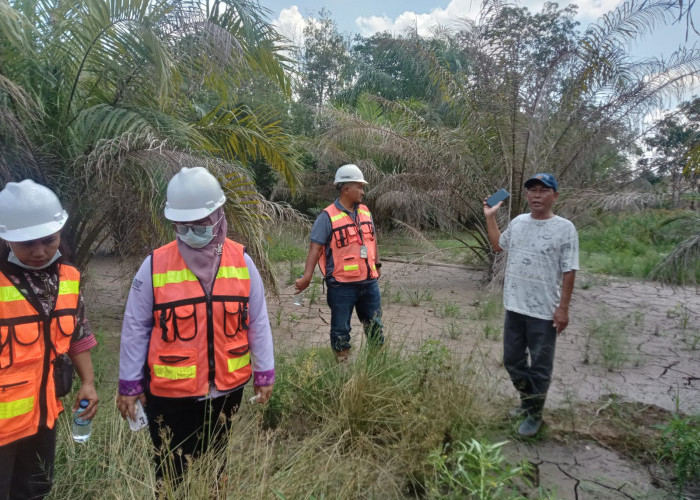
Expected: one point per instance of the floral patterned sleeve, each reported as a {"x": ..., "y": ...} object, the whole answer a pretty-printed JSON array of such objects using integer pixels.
[{"x": 83, "y": 339}]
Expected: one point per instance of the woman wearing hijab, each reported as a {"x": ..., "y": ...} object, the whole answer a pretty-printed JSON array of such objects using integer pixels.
[
  {"x": 42, "y": 320},
  {"x": 196, "y": 312}
]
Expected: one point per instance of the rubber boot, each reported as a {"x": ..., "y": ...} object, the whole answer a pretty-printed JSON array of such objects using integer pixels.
[{"x": 533, "y": 422}]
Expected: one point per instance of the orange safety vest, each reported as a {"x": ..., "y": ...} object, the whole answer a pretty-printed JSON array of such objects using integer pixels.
[
  {"x": 30, "y": 341},
  {"x": 346, "y": 242},
  {"x": 199, "y": 338}
]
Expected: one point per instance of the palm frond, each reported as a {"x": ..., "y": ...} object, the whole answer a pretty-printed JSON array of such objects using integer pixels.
[{"x": 682, "y": 265}]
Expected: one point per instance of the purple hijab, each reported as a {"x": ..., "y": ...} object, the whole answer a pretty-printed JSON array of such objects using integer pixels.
[{"x": 204, "y": 262}]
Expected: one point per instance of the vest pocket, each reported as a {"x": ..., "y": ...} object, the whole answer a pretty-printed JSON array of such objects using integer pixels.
[
  {"x": 178, "y": 322},
  {"x": 367, "y": 232},
  {"x": 237, "y": 357},
  {"x": 350, "y": 266},
  {"x": 175, "y": 369},
  {"x": 235, "y": 318},
  {"x": 24, "y": 343},
  {"x": 18, "y": 395},
  {"x": 66, "y": 325}
]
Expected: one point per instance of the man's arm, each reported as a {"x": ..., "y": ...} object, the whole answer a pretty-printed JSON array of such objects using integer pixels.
[
  {"x": 561, "y": 314},
  {"x": 311, "y": 260},
  {"x": 492, "y": 225}
]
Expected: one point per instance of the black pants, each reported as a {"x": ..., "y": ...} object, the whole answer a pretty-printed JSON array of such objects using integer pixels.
[
  {"x": 522, "y": 336},
  {"x": 183, "y": 428},
  {"x": 26, "y": 466}
]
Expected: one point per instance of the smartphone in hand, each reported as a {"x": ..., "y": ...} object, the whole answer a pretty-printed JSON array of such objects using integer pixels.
[{"x": 499, "y": 195}]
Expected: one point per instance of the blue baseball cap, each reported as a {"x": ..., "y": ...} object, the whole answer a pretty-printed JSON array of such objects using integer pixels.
[{"x": 547, "y": 179}]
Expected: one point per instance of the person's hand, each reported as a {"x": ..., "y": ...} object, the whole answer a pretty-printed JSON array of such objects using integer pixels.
[
  {"x": 561, "y": 319},
  {"x": 262, "y": 393},
  {"x": 302, "y": 284},
  {"x": 127, "y": 405},
  {"x": 491, "y": 211},
  {"x": 87, "y": 391}
]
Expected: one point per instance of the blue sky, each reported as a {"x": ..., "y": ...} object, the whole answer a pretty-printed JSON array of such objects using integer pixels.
[{"x": 369, "y": 16}]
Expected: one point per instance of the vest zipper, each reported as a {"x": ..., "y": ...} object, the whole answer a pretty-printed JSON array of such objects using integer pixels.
[
  {"x": 210, "y": 339},
  {"x": 43, "y": 407}
]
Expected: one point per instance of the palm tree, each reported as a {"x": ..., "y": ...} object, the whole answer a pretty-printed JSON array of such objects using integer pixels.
[{"x": 104, "y": 101}]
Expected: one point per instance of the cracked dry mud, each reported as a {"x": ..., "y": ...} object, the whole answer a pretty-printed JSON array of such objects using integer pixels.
[{"x": 580, "y": 456}]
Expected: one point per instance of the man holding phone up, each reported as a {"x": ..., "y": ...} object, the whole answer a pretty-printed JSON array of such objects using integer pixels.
[{"x": 539, "y": 280}]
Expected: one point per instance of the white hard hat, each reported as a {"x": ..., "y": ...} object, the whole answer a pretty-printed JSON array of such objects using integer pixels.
[
  {"x": 349, "y": 173},
  {"x": 29, "y": 211},
  {"x": 193, "y": 194}
]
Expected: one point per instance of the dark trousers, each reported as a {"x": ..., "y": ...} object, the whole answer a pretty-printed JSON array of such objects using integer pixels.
[
  {"x": 26, "y": 466},
  {"x": 523, "y": 337},
  {"x": 183, "y": 428},
  {"x": 366, "y": 300}
]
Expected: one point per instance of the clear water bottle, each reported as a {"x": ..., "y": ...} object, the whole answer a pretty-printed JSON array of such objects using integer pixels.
[
  {"x": 299, "y": 297},
  {"x": 82, "y": 428}
]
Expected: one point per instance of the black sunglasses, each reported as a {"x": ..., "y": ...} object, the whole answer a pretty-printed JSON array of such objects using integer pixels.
[{"x": 198, "y": 230}]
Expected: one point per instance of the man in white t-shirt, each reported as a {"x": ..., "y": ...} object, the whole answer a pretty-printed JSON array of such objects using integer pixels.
[{"x": 541, "y": 265}]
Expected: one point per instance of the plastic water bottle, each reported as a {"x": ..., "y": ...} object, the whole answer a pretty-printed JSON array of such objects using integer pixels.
[
  {"x": 82, "y": 428},
  {"x": 299, "y": 297}
]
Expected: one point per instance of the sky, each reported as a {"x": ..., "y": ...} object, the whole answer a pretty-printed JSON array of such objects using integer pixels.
[{"x": 367, "y": 17}]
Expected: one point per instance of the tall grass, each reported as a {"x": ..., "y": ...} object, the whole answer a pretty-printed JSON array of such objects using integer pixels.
[
  {"x": 363, "y": 430},
  {"x": 630, "y": 244}
]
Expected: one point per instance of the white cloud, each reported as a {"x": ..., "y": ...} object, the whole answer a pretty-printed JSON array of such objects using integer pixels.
[
  {"x": 423, "y": 22},
  {"x": 589, "y": 10},
  {"x": 290, "y": 24}
]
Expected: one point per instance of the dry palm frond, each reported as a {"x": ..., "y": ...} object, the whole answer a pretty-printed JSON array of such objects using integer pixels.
[
  {"x": 17, "y": 155},
  {"x": 682, "y": 265},
  {"x": 576, "y": 202}
]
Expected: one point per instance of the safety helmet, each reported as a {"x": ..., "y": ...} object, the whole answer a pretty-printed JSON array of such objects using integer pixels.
[
  {"x": 29, "y": 211},
  {"x": 349, "y": 173},
  {"x": 193, "y": 194}
]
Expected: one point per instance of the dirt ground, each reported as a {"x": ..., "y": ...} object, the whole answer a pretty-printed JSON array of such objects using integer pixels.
[{"x": 628, "y": 342}]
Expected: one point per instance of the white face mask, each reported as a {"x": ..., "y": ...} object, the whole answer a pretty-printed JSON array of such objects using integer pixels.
[
  {"x": 194, "y": 240},
  {"x": 13, "y": 258}
]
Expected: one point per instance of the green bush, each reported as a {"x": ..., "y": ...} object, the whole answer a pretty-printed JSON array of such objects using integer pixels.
[
  {"x": 681, "y": 438},
  {"x": 630, "y": 244}
]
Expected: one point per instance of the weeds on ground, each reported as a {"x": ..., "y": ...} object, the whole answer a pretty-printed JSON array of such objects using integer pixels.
[
  {"x": 418, "y": 295},
  {"x": 681, "y": 445},
  {"x": 454, "y": 329},
  {"x": 285, "y": 246},
  {"x": 488, "y": 307},
  {"x": 606, "y": 341},
  {"x": 492, "y": 331},
  {"x": 295, "y": 271},
  {"x": 449, "y": 310},
  {"x": 689, "y": 334},
  {"x": 473, "y": 470}
]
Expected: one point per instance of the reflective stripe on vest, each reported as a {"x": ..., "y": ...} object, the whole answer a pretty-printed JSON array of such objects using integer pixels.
[
  {"x": 175, "y": 372},
  {"x": 188, "y": 323},
  {"x": 26, "y": 404},
  {"x": 16, "y": 408},
  {"x": 238, "y": 363}
]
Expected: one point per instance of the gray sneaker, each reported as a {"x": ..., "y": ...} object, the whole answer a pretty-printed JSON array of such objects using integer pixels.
[
  {"x": 516, "y": 413},
  {"x": 530, "y": 426}
]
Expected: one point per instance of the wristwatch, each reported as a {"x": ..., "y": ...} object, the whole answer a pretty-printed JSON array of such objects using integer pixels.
[{"x": 378, "y": 265}]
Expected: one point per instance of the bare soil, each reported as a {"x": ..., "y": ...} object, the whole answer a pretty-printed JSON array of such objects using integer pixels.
[{"x": 606, "y": 386}]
